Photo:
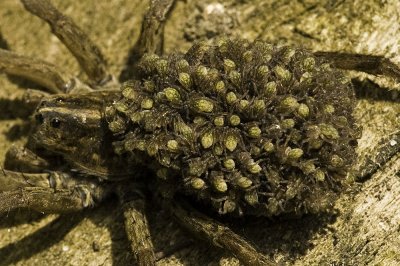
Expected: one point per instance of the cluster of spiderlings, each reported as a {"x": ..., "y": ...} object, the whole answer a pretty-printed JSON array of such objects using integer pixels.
[{"x": 246, "y": 127}]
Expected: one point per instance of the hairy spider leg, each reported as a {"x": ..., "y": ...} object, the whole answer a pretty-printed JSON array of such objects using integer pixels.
[
  {"x": 151, "y": 38},
  {"x": 21, "y": 159},
  {"x": 78, "y": 43},
  {"x": 371, "y": 64},
  {"x": 38, "y": 71},
  {"x": 217, "y": 234},
  {"x": 18, "y": 186},
  {"x": 42, "y": 73},
  {"x": 53, "y": 192},
  {"x": 133, "y": 202}
]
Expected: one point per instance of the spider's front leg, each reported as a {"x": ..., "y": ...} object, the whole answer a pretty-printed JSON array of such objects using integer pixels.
[
  {"x": 43, "y": 73},
  {"x": 21, "y": 159},
  {"x": 38, "y": 71},
  {"x": 47, "y": 192},
  {"x": 78, "y": 43},
  {"x": 54, "y": 192}
]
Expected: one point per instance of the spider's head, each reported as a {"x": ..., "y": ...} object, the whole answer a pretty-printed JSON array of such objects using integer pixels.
[
  {"x": 64, "y": 121},
  {"x": 73, "y": 126}
]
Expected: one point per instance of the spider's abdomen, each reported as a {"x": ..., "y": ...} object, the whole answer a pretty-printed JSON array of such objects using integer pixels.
[{"x": 245, "y": 127}]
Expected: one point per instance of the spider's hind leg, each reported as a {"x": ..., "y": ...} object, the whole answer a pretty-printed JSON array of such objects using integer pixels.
[
  {"x": 133, "y": 204},
  {"x": 371, "y": 64},
  {"x": 217, "y": 234}
]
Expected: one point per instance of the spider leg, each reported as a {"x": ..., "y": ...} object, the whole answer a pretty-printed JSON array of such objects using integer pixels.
[
  {"x": 33, "y": 97},
  {"x": 136, "y": 225},
  {"x": 10, "y": 180},
  {"x": 218, "y": 234},
  {"x": 42, "y": 73},
  {"x": 44, "y": 200},
  {"x": 151, "y": 38},
  {"x": 78, "y": 43},
  {"x": 24, "y": 168},
  {"x": 371, "y": 64},
  {"x": 22, "y": 159},
  {"x": 38, "y": 71},
  {"x": 53, "y": 192}
]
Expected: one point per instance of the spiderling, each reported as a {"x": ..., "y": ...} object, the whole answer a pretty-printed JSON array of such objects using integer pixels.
[{"x": 249, "y": 128}]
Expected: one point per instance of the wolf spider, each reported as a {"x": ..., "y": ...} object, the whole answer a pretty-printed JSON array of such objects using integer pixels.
[{"x": 47, "y": 186}]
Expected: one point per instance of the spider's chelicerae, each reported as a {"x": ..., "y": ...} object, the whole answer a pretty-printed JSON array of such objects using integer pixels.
[{"x": 235, "y": 127}]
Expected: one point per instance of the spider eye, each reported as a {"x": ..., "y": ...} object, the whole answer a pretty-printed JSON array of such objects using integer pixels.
[
  {"x": 55, "y": 122},
  {"x": 39, "y": 118}
]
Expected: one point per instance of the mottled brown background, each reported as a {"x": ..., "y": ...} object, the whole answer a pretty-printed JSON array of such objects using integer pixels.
[{"x": 368, "y": 227}]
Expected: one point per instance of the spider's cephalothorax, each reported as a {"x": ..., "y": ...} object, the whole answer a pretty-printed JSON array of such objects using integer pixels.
[
  {"x": 244, "y": 128},
  {"x": 247, "y": 127}
]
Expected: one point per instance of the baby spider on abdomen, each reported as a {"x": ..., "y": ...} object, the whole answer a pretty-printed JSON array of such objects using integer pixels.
[{"x": 244, "y": 128}]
